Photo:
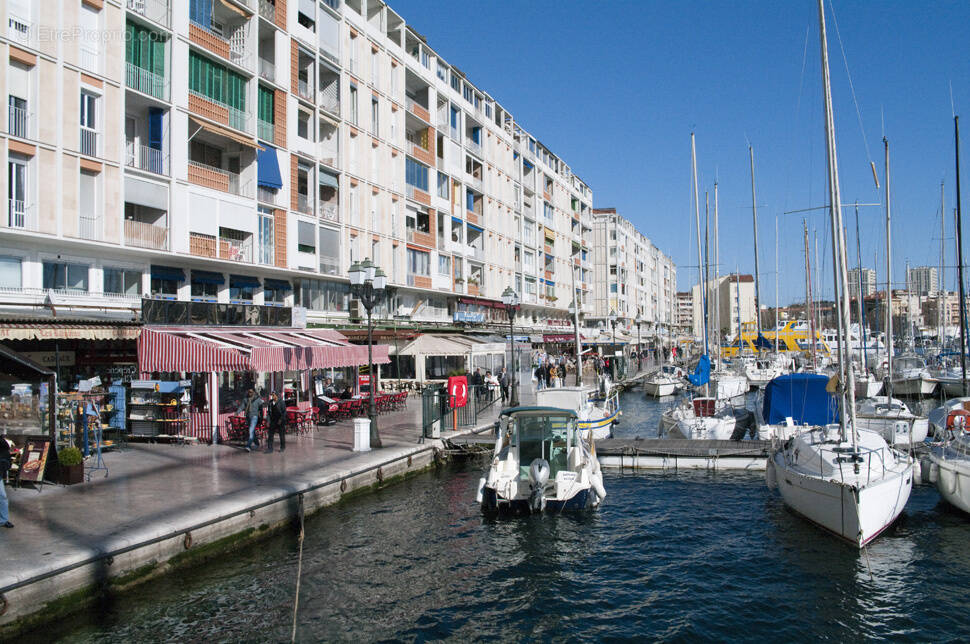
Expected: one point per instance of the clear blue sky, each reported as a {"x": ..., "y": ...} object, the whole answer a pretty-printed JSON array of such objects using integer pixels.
[{"x": 615, "y": 89}]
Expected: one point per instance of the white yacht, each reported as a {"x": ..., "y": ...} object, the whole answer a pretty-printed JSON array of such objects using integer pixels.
[
  {"x": 666, "y": 381},
  {"x": 892, "y": 420},
  {"x": 911, "y": 377},
  {"x": 596, "y": 409}
]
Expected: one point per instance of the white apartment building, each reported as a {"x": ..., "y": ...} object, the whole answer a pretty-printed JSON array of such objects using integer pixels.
[
  {"x": 632, "y": 277},
  {"x": 731, "y": 296},
  {"x": 867, "y": 278},
  {"x": 922, "y": 280},
  {"x": 248, "y": 151}
]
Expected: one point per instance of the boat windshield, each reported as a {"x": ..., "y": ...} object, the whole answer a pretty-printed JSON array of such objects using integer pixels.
[{"x": 544, "y": 436}]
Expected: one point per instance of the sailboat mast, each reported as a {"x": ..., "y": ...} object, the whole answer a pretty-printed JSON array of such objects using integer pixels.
[
  {"x": 847, "y": 382},
  {"x": 889, "y": 282},
  {"x": 707, "y": 266},
  {"x": 757, "y": 275},
  {"x": 941, "y": 286},
  {"x": 697, "y": 221},
  {"x": 776, "y": 285},
  {"x": 809, "y": 309},
  {"x": 858, "y": 252},
  {"x": 717, "y": 279},
  {"x": 963, "y": 302}
]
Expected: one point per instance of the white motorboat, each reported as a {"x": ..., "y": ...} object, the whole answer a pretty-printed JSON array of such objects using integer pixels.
[
  {"x": 854, "y": 491},
  {"x": 726, "y": 385},
  {"x": 761, "y": 371},
  {"x": 596, "y": 409},
  {"x": 705, "y": 418},
  {"x": 950, "y": 380},
  {"x": 666, "y": 381},
  {"x": 892, "y": 420},
  {"x": 541, "y": 462},
  {"x": 911, "y": 377}
]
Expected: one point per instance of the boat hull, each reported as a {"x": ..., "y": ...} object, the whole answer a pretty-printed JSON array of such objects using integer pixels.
[
  {"x": 914, "y": 386},
  {"x": 896, "y": 431},
  {"x": 856, "y": 515},
  {"x": 494, "y": 504},
  {"x": 601, "y": 427},
  {"x": 659, "y": 389},
  {"x": 867, "y": 388}
]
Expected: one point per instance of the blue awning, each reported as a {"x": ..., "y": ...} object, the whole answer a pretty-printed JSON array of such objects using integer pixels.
[
  {"x": 208, "y": 277},
  {"x": 268, "y": 169},
  {"x": 279, "y": 285},
  {"x": 474, "y": 227},
  {"x": 327, "y": 179},
  {"x": 167, "y": 273},
  {"x": 242, "y": 281},
  {"x": 527, "y": 164},
  {"x": 457, "y": 219}
]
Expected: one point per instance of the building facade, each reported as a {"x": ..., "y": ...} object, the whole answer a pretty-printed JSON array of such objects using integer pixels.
[
  {"x": 922, "y": 280},
  {"x": 632, "y": 277},
  {"x": 249, "y": 151},
  {"x": 732, "y": 298},
  {"x": 684, "y": 311},
  {"x": 866, "y": 278}
]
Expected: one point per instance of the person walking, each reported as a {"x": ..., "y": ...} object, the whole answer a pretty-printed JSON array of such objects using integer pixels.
[
  {"x": 5, "y": 462},
  {"x": 252, "y": 409},
  {"x": 504, "y": 381},
  {"x": 277, "y": 422},
  {"x": 478, "y": 383}
]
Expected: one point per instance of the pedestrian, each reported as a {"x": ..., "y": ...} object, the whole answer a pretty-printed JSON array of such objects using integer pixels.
[
  {"x": 504, "y": 381},
  {"x": 252, "y": 409},
  {"x": 5, "y": 462},
  {"x": 492, "y": 384},
  {"x": 538, "y": 377},
  {"x": 277, "y": 422},
  {"x": 478, "y": 384}
]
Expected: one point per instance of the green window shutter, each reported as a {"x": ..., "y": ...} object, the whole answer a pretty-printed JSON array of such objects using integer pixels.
[
  {"x": 235, "y": 91},
  {"x": 266, "y": 105},
  {"x": 129, "y": 43},
  {"x": 157, "y": 62}
]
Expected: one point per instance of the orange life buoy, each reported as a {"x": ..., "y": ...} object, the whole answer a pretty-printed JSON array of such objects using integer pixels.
[{"x": 952, "y": 422}]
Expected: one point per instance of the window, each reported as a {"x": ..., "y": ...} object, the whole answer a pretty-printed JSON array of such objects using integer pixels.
[
  {"x": 274, "y": 292},
  {"x": 90, "y": 24},
  {"x": 488, "y": 110},
  {"x": 444, "y": 265},
  {"x": 374, "y": 117},
  {"x": 374, "y": 67},
  {"x": 303, "y": 125},
  {"x": 122, "y": 281},
  {"x": 267, "y": 240},
  {"x": 319, "y": 295},
  {"x": 353, "y": 104},
  {"x": 18, "y": 92},
  {"x": 306, "y": 237},
  {"x": 418, "y": 262},
  {"x": 442, "y": 73},
  {"x": 416, "y": 175},
  {"x": 305, "y": 15},
  {"x": 89, "y": 220},
  {"x": 455, "y": 83},
  {"x": 242, "y": 288},
  {"x": 266, "y": 105},
  {"x": 17, "y": 191},
  {"x": 443, "y": 183},
  {"x": 207, "y": 291},
  {"x": 200, "y": 12},
  {"x": 66, "y": 276},
  {"x": 89, "y": 111},
  {"x": 216, "y": 83},
  {"x": 10, "y": 272},
  {"x": 329, "y": 251},
  {"x": 466, "y": 92}
]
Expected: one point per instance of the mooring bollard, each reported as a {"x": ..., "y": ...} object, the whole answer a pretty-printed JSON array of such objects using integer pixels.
[{"x": 361, "y": 434}]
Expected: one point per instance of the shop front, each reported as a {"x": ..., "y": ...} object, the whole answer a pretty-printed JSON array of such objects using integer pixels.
[{"x": 219, "y": 365}]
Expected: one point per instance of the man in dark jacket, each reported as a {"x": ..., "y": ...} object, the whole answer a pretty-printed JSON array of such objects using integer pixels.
[
  {"x": 277, "y": 422},
  {"x": 478, "y": 382},
  {"x": 504, "y": 381},
  {"x": 5, "y": 462},
  {"x": 252, "y": 409}
]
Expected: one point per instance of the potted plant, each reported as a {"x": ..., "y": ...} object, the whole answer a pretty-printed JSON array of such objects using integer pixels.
[{"x": 72, "y": 465}]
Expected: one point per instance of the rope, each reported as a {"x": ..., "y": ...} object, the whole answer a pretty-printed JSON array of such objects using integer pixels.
[{"x": 299, "y": 570}]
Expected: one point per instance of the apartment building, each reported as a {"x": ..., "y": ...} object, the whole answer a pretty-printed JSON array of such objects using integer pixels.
[
  {"x": 684, "y": 311},
  {"x": 922, "y": 280},
  {"x": 730, "y": 306},
  {"x": 249, "y": 151},
  {"x": 632, "y": 276},
  {"x": 864, "y": 279}
]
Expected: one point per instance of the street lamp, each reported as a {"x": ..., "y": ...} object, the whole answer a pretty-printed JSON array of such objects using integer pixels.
[
  {"x": 574, "y": 315},
  {"x": 612, "y": 319},
  {"x": 638, "y": 322},
  {"x": 368, "y": 283},
  {"x": 511, "y": 301}
]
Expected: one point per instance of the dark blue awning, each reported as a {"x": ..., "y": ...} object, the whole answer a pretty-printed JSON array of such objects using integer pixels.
[
  {"x": 268, "y": 169},
  {"x": 474, "y": 227},
  {"x": 208, "y": 277},
  {"x": 527, "y": 164},
  {"x": 279, "y": 285},
  {"x": 457, "y": 219},
  {"x": 167, "y": 273},
  {"x": 242, "y": 281}
]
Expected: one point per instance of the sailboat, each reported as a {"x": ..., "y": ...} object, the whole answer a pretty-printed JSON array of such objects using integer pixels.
[{"x": 842, "y": 478}]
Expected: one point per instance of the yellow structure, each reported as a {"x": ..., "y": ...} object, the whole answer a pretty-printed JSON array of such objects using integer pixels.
[{"x": 792, "y": 337}]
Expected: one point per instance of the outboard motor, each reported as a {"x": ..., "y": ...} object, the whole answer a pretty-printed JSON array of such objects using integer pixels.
[{"x": 538, "y": 477}]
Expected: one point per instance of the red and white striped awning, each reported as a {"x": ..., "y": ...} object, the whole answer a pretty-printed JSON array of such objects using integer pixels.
[{"x": 263, "y": 349}]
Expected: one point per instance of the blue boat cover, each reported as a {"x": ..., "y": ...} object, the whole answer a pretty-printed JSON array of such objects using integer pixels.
[
  {"x": 801, "y": 396},
  {"x": 268, "y": 169},
  {"x": 702, "y": 374}
]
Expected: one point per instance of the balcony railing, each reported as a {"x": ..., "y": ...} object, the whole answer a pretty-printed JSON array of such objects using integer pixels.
[
  {"x": 328, "y": 101},
  {"x": 267, "y": 70},
  {"x": 154, "y": 10},
  {"x": 264, "y": 130},
  {"x": 304, "y": 90},
  {"x": 89, "y": 142},
  {"x": 418, "y": 110},
  {"x": 304, "y": 204},
  {"x": 17, "y": 121},
  {"x": 142, "y": 235},
  {"x": 473, "y": 147},
  {"x": 329, "y": 265},
  {"x": 328, "y": 211},
  {"x": 145, "y": 158},
  {"x": 236, "y": 250},
  {"x": 265, "y": 195},
  {"x": 218, "y": 179},
  {"x": 267, "y": 10},
  {"x": 18, "y": 27},
  {"x": 221, "y": 112},
  {"x": 21, "y": 215},
  {"x": 90, "y": 228},
  {"x": 146, "y": 82}
]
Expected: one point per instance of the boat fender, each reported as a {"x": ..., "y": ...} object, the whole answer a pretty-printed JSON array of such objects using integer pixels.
[
  {"x": 538, "y": 477},
  {"x": 771, "y": 477},
  {"x": 596, "y": 482},
  {"x": 481, "y": 490},
  {"x": 934, "y": 473},
  {"x": 925, "y": 467}
]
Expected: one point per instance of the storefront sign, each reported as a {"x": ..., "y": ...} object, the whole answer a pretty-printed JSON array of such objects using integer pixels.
[
  {"x": 468, "y": 316},
  {"x": 458, "y": 391},
  {"x": 363, "y": 383},
  {"x": 33, "y": 461},
  {"x": 558, "y": 337},
  {"x": 51, "y": 359}
]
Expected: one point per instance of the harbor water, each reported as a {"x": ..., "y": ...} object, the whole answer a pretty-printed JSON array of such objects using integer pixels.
[{"x": 686, "y": 556}]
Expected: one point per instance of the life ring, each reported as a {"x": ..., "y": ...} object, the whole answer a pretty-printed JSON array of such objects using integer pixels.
[{"x": 952, "y": 423}]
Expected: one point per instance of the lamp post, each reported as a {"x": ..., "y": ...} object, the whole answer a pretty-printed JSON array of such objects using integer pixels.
[
  {"x": 638, "y": 322},
  {"x": 574, "y": 315},
  {"x": 612, "y": 320},
  {"x": 368, "y": 284},
  {"x": 511, "y": 301}
]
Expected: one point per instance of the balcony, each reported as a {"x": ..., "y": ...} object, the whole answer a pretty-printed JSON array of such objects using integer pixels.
[
  {"x": 90, "y": 228},
  {"x": 18, "y": 121},
  {"x": 420, "y": 281},
  {"x": 419, "y": 195},
  {"x": 218, "y": 111},
  {"x": 144, "y": 235},
  {"x": 304, "y": 90},
  {"x": 265, "y": 195},
  {"x": 236, "y": 248},
  {"x": 304, "y": 203},
  {"x": 475, "y": 251},
  {"x": 422, "y": 154},
  {"x": 202, "y": 245},
  {"x": 329, "y": 101},
  {"x": 418, "y": 110},
  {"x": 474, "y": 148},
  {"x": 267, "y": 69},
  {"x": 328, "y": 211},
  {"x": 154, "y": 10},
  {"x": 89, "y": 142},
  {"x": 418, "y": 237},
  {"x": 21, "y": 215},
  {"x": 329, "y": 265},
  {"x": 267, "y": 10},
  {"x": 473, "y": 288},
  {"x": 145, "y": 158},
  {"x": 218, "y": 179},
  {"x": 146, "y": 82},
  {"x": 233, "y": 48},
  {"x": 265, "y": 131}
]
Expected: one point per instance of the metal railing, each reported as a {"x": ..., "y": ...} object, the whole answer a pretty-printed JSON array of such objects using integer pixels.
[
  {"x": 90, "y": 228},
  {"x": 154, "y": 10},
  {"x": 304, "y": 203},
  {"x": 145, "y": 158},
  {"x": 328, "y": 101},
  {"x": 89, "y": 142},
  {"x": 267, "y": 10},
  {"x": 237, "y": 118},
  {"x": 145, "y": 81},
  {"x": 267, "y": 70},
  {"x": 265, "y": 195},
  {"x": 20, "y": 215},
  {"x": 220, "y": 179},
  {"x": 438, "y": 415},
  {"x": 18, "y": 120},
  {"x": 304, "y": 90},
  {"x": 236, "y": 250},
  {"x": 264, "y": 130},
  {"x": 144, "y": 235}
]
